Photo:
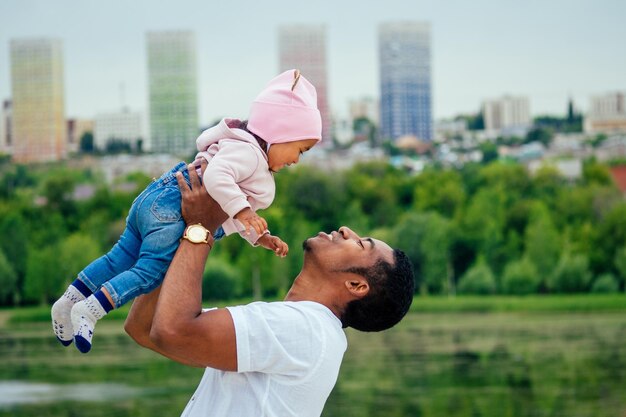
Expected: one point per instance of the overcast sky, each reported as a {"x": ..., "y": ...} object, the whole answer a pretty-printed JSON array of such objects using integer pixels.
[{"x": 545, "y": 49}]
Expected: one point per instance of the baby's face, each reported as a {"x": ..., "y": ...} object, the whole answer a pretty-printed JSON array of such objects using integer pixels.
[{"x": 285, "y": 154}]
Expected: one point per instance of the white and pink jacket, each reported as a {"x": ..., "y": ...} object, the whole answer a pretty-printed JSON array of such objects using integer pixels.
[{"x": 237, "y": 175}]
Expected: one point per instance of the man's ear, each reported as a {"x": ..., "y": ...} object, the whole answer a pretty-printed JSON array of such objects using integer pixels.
[{"x": 358, "y": 287}]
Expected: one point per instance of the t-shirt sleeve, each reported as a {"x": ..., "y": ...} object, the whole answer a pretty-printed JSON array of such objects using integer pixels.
[{"x": 276, "y": 338}]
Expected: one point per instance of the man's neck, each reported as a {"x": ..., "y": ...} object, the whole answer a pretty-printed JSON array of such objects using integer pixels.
[{"x": 308, "y": 287}]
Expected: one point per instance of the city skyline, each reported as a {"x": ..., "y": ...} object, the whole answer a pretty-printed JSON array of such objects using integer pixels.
[{"x": 547, "y": 52}]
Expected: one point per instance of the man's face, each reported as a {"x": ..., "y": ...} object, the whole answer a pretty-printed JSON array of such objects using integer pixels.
[{"x": 344, "y": 249}]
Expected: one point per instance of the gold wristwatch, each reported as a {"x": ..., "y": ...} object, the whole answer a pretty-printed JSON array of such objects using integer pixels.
[{"x": 196, "y": 233}]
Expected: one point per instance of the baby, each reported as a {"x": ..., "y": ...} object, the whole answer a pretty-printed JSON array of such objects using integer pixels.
[{"x": 239, "y": 160}]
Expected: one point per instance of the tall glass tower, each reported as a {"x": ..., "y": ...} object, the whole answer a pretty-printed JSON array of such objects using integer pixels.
[
  {"x": 405, "y": 80},
  {"x": 173, "y": 92},
  {"x": 38, "y": 119},
  {"x": 304, "y": 47}
]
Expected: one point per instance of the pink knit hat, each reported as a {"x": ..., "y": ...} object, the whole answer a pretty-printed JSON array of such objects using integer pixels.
[{"x": 286, "y": 110}]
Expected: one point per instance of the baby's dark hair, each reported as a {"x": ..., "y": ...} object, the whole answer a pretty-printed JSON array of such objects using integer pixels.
[{"x": 243, "y": 125}]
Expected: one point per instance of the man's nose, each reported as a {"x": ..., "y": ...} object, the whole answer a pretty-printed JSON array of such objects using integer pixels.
[{"x": 347, "y": 233}]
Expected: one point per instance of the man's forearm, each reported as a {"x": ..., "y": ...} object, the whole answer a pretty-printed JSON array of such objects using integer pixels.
[
  {"x": 179, "y": 328},
  {"x": 180, "y": 301}
]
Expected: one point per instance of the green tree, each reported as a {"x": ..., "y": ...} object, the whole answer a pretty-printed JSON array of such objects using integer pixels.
[
  {"x": 375, "y": 187},
  {"x": 542, "y": 241},
  {"x": 58, "y": 189},
  {"x": 482, "y": 227},
  {"x": 572, "y": 275},
  {"x": 315, "y": 194},
  {"x": 50, "y": 268},
  {"x": 478, "y": 280},
  {"x": 605, "y": 283},
  {"x": 610, "y": 235},
  {"x": 426, "y": 239},
  {"x": 50, "y": 229},
  {"x": 44, "y": 280},
  {"x": 115, "y": 146},
  {"x": 474, "y": 121},
  {"x": 15, "y": 177},
  {"x": 595, "y": 172},
  {"x": 86, "y": 143},
  {"x": 364, "y": 129},
  {"x": 598, "y": 140},
  {"x": 490, "y": 152},
  {"x": 619, "y": 260},
  {"x": 8, "y": 281},
  {"x": 540, "y": 134},
  {"x": 574, "y": 205},
  {"x": 220, "y": 280},
  {"x": 441, "y": 191},
  {"x": 75, "y": 253},
  {"x": 511, "y": 180},
  {"x": 520, "y": 278},
  {"x": 546, "y": 184},
  {"x": 13, "y": 243}
]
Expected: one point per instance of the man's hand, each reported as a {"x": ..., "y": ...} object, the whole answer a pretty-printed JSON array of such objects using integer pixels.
[
  {"x": 197, "y": 206},
  {"x": 275, "y": 244},
  {"x": 249, "y": 218}
]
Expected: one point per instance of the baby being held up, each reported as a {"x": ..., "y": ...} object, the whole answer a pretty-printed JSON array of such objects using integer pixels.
[{"x": 239, "y": 159}]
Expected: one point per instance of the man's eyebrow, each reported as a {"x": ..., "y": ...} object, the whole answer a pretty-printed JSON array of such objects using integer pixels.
[{"x": 370, "y": 240}]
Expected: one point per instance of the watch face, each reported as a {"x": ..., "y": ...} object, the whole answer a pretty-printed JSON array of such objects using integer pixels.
[{"x": 197, "y": 234}]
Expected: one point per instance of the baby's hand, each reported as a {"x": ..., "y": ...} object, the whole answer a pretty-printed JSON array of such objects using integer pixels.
[
  {"x": 249, "y": 218},
  {"x": 275, "y": 244}
]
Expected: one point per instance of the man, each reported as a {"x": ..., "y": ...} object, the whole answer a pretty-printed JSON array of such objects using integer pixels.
[{"x": 270, "y": 359}]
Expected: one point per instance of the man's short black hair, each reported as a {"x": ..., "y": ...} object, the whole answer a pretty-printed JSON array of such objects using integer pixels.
[{"x": 389, "y": 298}]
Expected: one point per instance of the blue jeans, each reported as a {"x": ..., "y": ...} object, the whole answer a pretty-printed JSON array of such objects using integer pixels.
[{"x": 139, "y": 260}]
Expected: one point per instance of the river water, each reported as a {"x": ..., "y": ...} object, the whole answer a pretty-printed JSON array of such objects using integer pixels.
[{"x": 495, "y": 364}]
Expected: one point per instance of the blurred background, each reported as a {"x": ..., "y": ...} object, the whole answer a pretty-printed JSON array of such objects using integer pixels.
[{"x": 486, "y": 139}]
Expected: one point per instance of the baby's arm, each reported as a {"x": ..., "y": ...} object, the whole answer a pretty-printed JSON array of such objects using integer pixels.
[
  {"x": 249, "y": 219},
  {"x": 273, "y": 243},
  {"x": 235, "y": 162}
]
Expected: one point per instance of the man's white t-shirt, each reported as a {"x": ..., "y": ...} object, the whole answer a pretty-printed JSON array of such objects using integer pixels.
[{"x": 288, "y": 359}]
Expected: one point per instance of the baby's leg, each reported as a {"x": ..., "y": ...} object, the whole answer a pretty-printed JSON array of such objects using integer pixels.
[
  {"x": 120, "y": 258},
  {"x": 164, "y": 228}
]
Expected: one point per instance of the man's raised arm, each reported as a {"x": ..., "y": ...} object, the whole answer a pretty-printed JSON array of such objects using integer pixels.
[{"x": 170, "y": 320}]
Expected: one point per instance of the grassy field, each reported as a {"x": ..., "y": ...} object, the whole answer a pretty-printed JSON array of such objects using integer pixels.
[
  {"x": 454, "y": 357},
  {"x": 421, "y": 304},
  {"x": 533, "y": 303}
]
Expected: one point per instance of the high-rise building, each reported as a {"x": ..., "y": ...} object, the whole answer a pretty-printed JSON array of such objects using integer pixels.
[
  {"x": 304, "y": 47},
  {"x": 405, "y": 80},
  {"x": 6, "y": 121},
  {"x": 506, "y": 113},
  {"x": 122, "y": 127},
  {"x": 173, "y": 92},
  {"x": 38, "y": 131},
  {"x": 607, "y": 114}
]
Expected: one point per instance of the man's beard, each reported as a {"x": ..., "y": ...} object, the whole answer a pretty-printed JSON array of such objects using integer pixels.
[{"x": 306, "y": 246}]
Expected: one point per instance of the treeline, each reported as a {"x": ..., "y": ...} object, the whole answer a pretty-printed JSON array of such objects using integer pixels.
[{"x": 483, "y": 229}]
